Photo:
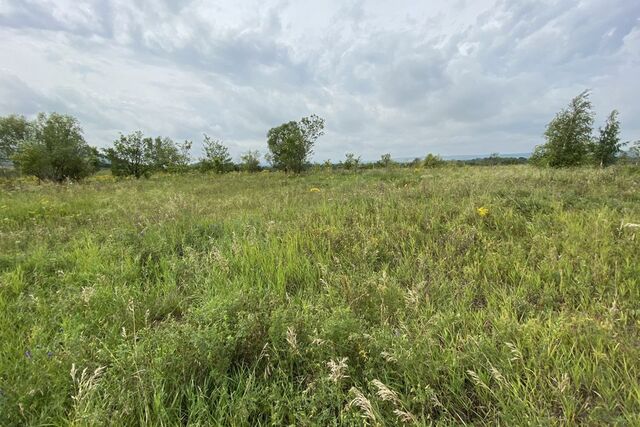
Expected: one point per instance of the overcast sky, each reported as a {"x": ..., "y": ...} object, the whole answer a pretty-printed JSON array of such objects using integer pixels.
[{"x": 405, "y": 76}]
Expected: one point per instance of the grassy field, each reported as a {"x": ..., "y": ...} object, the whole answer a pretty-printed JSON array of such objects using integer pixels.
[{"x": 382, "y": 297}]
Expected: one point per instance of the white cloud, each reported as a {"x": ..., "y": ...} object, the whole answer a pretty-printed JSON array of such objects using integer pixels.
[{"x": 449, "y": 77}]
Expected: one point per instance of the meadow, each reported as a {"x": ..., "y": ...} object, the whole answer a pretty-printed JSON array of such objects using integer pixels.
[{"x": 454, "y": 296}]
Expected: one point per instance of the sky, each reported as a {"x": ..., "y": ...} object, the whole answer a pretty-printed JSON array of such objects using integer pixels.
[{"x": 406, "y": 77}]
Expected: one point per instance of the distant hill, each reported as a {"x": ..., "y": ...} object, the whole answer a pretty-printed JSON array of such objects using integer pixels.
[{"x": 464, "y": 157}]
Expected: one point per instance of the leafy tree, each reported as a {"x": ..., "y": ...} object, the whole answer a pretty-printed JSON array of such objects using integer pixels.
[
  {"x": 568, "y": 135},
  {"x": 168, "y": 156},
  {"x": 13, "y": 130},
  {"x": 635, "y": 150},
  {"x": 608, "y": 145},
  {"x": 432, "y": 161},
  {"x": 291, "y": 144},
  {"x": 131, "y": 155},
  {"x": 250, "y": 161},
  {"x": 386, "y": 161},
  {"x": 351, "y": 162},
  {"x": 416, "y": 162},
  {"x": 217, "y": 156},
  {"x": 55, "y": 149}
]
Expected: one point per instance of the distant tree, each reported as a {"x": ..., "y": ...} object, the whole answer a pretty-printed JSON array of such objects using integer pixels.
[
  {"x": 55, "y": 149},
  {"x": 634, "y": 151},
  {"x": 250, "y": 161},
  {"x": 608, "y": 145},
  {"x": 14, "y": 129},
  {"x": 386, "y": 161},
  {"x": 131, "y": 155},
  {"x": 291, "y": 144},
  {"x": 185, "y": 155},
  {"x": 568, "y": 135},
  {"x": 167, "y": 156},
  {"x": 432, "y": 161},
  {"x": 416, "y": 162},
  {"x": 351, "y": 161},
  {"x": 217, "y": 156}
]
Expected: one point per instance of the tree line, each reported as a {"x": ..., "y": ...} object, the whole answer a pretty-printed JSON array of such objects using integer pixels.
[{"x": 53, "y": 147}]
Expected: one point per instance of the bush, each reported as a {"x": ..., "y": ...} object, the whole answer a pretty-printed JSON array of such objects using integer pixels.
[
  {"x": 131, "y": 155},
  {"x": 386, "y": 161},
  {"x": 351, "y": 162},
  {"x": 13, "y": 130},
  {"x": 54, "y": 149},
  {"x": 217, "y": 156},
  {"x": 432, "y": 161},
  {"x": 135, "y": 155},
  {"x": 250, "y": 161}
]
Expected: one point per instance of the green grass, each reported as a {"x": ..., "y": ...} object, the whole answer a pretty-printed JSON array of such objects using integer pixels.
[{"x": 251, "y": 300}]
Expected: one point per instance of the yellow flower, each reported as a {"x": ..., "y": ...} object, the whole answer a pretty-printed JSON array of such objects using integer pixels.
[
  {"x": 482, "y": 211},
  {"x": 315, "y": 190}
]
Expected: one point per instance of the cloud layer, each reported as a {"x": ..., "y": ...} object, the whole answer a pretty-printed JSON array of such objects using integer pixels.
[{"x": 451, "y": 77}]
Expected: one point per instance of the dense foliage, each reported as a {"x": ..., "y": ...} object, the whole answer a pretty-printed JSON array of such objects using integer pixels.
[
  {"x": 138, "y": 156},
  {"x": 53, "y": 148},
  {"x": 14, "y": 129},
  {"x": 569, "y": 139},
  {"x": 291, "y": 144},
  {"x": 607, "y": 147}
]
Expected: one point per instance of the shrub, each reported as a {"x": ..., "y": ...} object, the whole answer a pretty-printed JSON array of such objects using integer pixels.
[
  {"x": 386, "y": 161},
  {"x": 167, "y": 156},
  {"x": 432, "y": 161},
  {"x": 54, "y": 149},
  {"x": 13, "y": 130},
  {"x": 250, "y": 161},
  {"x": 351, "y": 162},
  {"x": 217, "y": 156},
  {"x": 131, "y": 155}
]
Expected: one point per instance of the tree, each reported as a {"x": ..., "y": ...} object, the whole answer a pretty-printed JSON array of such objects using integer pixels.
[
  {"x": 217, "y": 156},
  {"x": 386, "y": 161},
  {"x": 13, "y": 130},
  {"x": 568, "y": 135},
  {"x": 250, "y": 161},
  {"x": 55, "y": 149},
  {"x": 432, "y": 161},
  {"x": 634, "y": 151},
  {"x": 168, "y": 156},
  {"x": 131, "y": 155},
  {"x": 351, "y": 162},
  {"x": 608, "y": 145},
  {"x": 291, "y": 144}
]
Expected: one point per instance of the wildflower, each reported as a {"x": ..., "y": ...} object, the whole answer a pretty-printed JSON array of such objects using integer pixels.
[
  {"x": 482, "y": 211},
  {"x": 314, "y": 190}
]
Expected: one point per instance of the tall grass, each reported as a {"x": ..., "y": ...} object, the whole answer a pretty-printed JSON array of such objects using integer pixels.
[{"x": 386, "y": 297}]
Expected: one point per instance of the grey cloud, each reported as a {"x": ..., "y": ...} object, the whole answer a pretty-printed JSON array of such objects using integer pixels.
[{"x": 407, "y": 84}]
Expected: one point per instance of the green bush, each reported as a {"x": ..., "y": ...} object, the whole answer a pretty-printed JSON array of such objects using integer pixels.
[{"x": 54, "y": 149}]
